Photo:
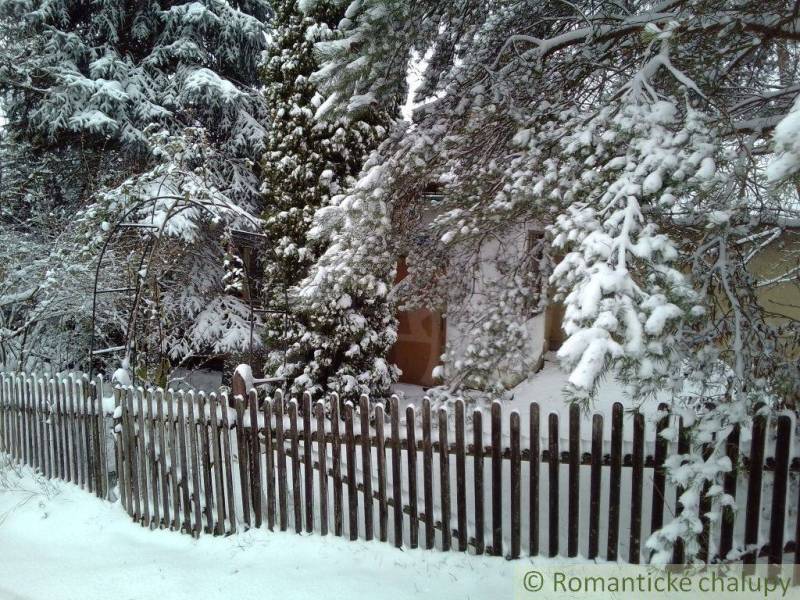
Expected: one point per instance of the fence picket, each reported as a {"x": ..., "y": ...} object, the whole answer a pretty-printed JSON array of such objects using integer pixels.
[
  {"x": 322, "y": 454},
  {"x": 297, "y": 501},
  {"x": 533, "y": 483},
  {"x": 216, "y": 450},
  {"x": 336, "y": 451},
  {"x": 253, "y": 456},
  {"x": 444, "y": 480},
  {"x": 224, "y": 406},
  {"x": 516, "y": 467},
  {"x": 181, "y": 426},
  {"x": 573, "y": 518},
  {"x": 241, "y": 446},
  {"x": 615, "y": 475},
  {"x": 153, "y": 464},
  {"x": 164, "y": 468},
  {"x": 554, "y": 466},
  {"x": 194, "y": 422},
  {"x": 366, "y": 466},
  {"x": 397, "y": 491},
  {"x": 595, "y": 486},
  {"x": 637, "y": 478},
  {"x": 411, "y": 454},
  {"x": 177, "y": 478},
  {"x": 683, "y": 447},
  {"x": 269, "y": 463},
  {"x": 427, "y": 472},
  {"x": 780, "y": 483},
  {"x": 380, "y": 449},
  {"x": 352, "y": 493},
  {"x": 308, "y": 467},
  {"x": 753, "y": 512},
  {"x": 659, "y": 475},
  {"x": 729, "y": 486},
  {"x": 281, "y": 458},
  {"x": 461, "y": 477},
  {"x": 477, "y": 463},
  {"x": 497, "y": 481},
  {"x": 129, "y": 421}
]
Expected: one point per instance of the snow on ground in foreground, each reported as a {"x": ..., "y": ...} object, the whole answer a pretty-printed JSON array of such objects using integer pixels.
[{"x": 60, "y": 543}]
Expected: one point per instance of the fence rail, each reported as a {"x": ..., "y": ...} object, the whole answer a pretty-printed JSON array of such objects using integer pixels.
[{"x": 211, "y": 463}]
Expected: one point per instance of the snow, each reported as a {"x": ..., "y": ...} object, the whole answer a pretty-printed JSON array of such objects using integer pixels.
[{"x": 60, "y": 542}]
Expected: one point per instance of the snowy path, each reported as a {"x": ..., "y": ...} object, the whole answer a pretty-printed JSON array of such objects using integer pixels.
[{"x": 59, "y": 543}]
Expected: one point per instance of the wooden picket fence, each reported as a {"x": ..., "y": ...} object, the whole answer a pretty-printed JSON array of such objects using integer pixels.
[
  {"x": 56, "y": 425},
  {"x": 210, "y": 463}
]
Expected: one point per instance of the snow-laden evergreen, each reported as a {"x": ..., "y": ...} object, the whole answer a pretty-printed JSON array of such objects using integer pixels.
[
  {"x": 641, "y": 140},
  {"x": 111, "y": 106},
  {"x": 306, "y": 164}
]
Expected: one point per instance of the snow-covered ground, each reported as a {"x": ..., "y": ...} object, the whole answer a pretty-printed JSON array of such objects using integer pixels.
[{"x": 59, "y": 543}]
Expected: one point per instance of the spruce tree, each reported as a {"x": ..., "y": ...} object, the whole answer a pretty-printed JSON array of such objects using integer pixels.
[
  {"x": 110, "y": 105},
  {"x": 308, "y": 160}
]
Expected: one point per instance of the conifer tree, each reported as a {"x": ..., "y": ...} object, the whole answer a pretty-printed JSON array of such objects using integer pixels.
[
  {"x": 110, "y": 105},
  {"x": 308, "y": 161}
]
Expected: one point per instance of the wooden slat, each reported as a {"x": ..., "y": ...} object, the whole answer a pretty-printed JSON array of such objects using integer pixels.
[
  {"x": 269, "y": 464},
  {"x": 427, "y": 472},
  {"x": 516, "y": 500},
  {"x": 176, "y": 475},
  {"x": 203, "y": 417},
  {"x": 195, "y": 424},
  {"x": 181, "y": 427},
  {"x": 461, "y": 477},
  {"x": 336, "y": 452},
  {"x": 88, "y": 464},
  {"x": 659, "y": 473},
  {"x": 228, "y": 461},
  {"x": 242, "y": 440},
  {"x": 294, "y": 439},
  {"x": 380, "y": 450},
  {"x": 34, "y": 411},
  {"x": 66, "y": 459},
  {"x": 322, "y": 453},
  {"x": 254, "y": 456},
  {"x": 163, "y": 455},
  {"x": 411, "y": 455},
  {"x": 397, "y": 475},
  {"x": 533, "y": 483},
  {"x": 444, "y": 480},
  {"x": 637, "y": 477},
  {"x": 119, "y": 455},
  {"x": 144, "y": 490},
  {"x": 678, "y": 553},
  {"x": 728, "y": 517},
  {"x": 280, "y": 451},
  {"x": 552, "y": 532},
  {"x": 308, "y": 471},
  {"x": 615, "y": 476},
  {"x": 573, "y": 522},
  {"x": 131, "y": 457},
  {"x": 55, "y": 467},
  {"x": 595, "y": 486},
  {"x": 153, "y": 464},
  {"x": 366, "y": 466},
  {"x": 352, "y": 494},
  {"x": 497, "y": 481},
  {"x": 705, "y": 507},
  {"x": 780, "y": 484},
  {"x": 74, "y": 434},
  {"x": 216, "y": 453},
  {"x": 477, "y": 442}
]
